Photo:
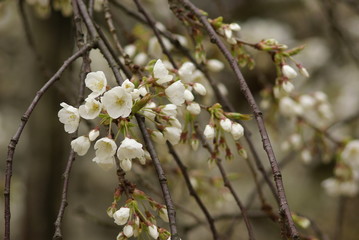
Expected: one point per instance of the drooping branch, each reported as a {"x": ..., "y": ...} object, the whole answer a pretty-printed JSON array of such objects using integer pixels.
[
  {"x": 85, "y": 68},
  {"x": 161, "y": 176},
  {"x": 222, "y": 99},
  {"x": 284, "y": 207},
  {"x": 226, "y": 181},
  {"x": 24, "y": 119},
  {"x": 141, "y": 122},
  {"x": 192, "y": 191}
]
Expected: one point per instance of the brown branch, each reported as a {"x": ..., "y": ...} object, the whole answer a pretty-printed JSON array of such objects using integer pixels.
[
  {"x": 222, "y": 99},
  {"x": 192, "y": 191},
  {"x": 85, "y": 68},
  {"x": 161, "y": 176},
  {"x": 226, "y": 181},
  {"x": 171, "y": 149},
  {"x": 152, "y": 24},
  {"x": 340, "y": 218},
  {"x": 141, "y": 122},
  {"x": 284, "y": 207},
  {"x": 24, "y": 119}
]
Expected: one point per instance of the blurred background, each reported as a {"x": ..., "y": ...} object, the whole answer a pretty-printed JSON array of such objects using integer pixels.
[{"x": 329, "y": 29}]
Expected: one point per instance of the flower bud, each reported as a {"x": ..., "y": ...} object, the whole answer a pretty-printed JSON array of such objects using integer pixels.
[
  {"x": 152, "y": 230},
  {"x": 304, "y": 72},
  {"x": 194, "y": 108},
  {"x": 200, "y": 89},
  {"x": 288, "y": 71},
  {"x": 287, "y": 86},
  {"x": 128, "y": 231},
  {"x": 215, "y": 65},
  {"x": 188, "y": 95},
  {"x": 158, "y": 137},
  {"x": 126, "y": 165},
  {"x": 226, "y": 124},
  {"x": 93, "y": 134},
  {"x": 209, "y": 132},
  {"x": 81, "y": 145},
  {"x": 121, "y": 216},
  {"x": 237, "y": 131}
]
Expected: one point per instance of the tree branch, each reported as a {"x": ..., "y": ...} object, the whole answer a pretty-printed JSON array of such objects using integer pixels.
[
  {"x": 226, "y": 181},
  {"x": 284, "y": 207},
  {"x": 24, "y": 119}
]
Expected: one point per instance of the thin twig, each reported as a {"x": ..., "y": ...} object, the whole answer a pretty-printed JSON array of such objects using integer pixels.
[
  {"x": 171, "y": 149},
  {"x": 339, "y": 221},
  {"x": 24, "y": 119},
  {"x": 152, "y": 24},
  {"x": 192, "y": 191},
  {"x": 161, "y": 176},
  {"x": 284, "y": 207},
  {"x": 141, "y": 122},
  {"x": 84, "y": 69},
  {"x": 226, "y": 181}
]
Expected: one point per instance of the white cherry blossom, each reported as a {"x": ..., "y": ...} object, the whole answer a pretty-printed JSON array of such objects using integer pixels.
[
  {"x": 186, "y": 71},
  {"x": 194, "y": 108},
  {"x": 130, "y": 149},
  {"x": 158, "y": 137},
  {"x": 96, "y": 82},
  {"x": 226, "y": 124},
  {"x": 350, "y": 154},
  {"x": 237, "y": 131},
  {"x": 169, "y": 110},
  {"x": 188, "y": 95},
  {"x": 209, "y": 132},
  {"x": 152, "y": 230},
  {"x": 215, "y": 65},
  {"x": 126, "y": 165},
  {"x": 118, "y": 102},
  {"x": 172, "y": 134},
  {"x": 70, "y": 117},
  {"x": 289, "y": 72},
  {"x": 200, "y": 89},
  {"x": 121, "y": 216},
  {"x": 161, "y": 73},
  {"x": 128, "y": 231},
  {"x": 105, "y": 148},
  {"x": 175, "y": 93},
  {"x": 128, "y": 85},
  {"x": 93, "y": 134},
  {"x": 81, "y": 145},
  {"x": 91, "y": 109}
]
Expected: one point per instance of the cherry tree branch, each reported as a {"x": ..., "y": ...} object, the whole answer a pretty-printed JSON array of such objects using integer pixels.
[
  {"x": 284, "y": 207},
  {"x": 226, "y": 181},
  {"x": 141, "y": 122},
  {"x": 24, "y": 119},
  {"x": 85, "y": 68},
  {"x": 222, "y": 99},
  {"x": 192, "y": 191}
]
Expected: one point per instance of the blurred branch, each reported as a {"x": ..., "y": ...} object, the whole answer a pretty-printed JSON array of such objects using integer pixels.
[
  {"x": 226, "y": 181},
  {"x": 192, "y": 191},
  {"x": 284, "y": 207},
  {"x": 339, "y": 221},
  {"x": 338, "y": 31},
  {"x": 24, "y": 119}
]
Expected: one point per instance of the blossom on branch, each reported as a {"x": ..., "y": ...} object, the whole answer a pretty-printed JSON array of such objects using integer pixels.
[{"x": 70, "y": 117}]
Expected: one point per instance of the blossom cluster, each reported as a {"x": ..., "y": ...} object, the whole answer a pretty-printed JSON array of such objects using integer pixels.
[
  {"x": 134, "y": 221},
  {"x": 346, "y": 173}
]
